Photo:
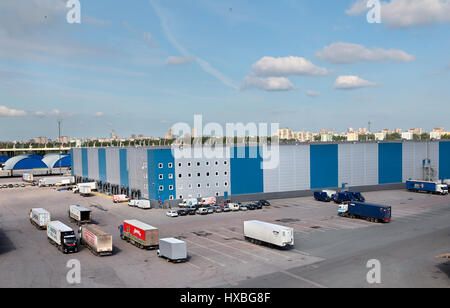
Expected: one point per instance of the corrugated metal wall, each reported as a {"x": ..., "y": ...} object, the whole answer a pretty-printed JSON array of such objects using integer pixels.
[
  {"x": 324, "y": 166},
  {"x": 358, "y": 164},
  {"x": 413, "y": 155},
  {"x": 246, "y": 174},
  {"x": 161, "y": 162},
  {"x": 390, "y": 163},
  {"x": 92, "y": 155},
  {"x": 84, "y": 163},
  {"x": 102, "y": 165},
  {"x": 112, "y": 166},
  {"x": 138, "y": 173},
  {"x": 444, "y": 160},
  {"x": 76, "y": 166},
  {"x": 293, "y": 171}
]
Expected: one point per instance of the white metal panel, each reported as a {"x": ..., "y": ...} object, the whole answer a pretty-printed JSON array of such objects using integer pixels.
[
  {"x": 358, "y": 164},
  {"x": 138, "y": 169},
  {"x": 413, "y": 155},
  {"x": 77, "y": 167},
  {"x": 293, "y": 171},
  {"x": 93, "y": 164},
  {"x": 112, "y": 166}
]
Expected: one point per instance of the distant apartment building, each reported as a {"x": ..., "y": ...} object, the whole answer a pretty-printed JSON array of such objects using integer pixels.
[
  {"x": 286, "y": 134},
  {"x": 416, "y": 131},
  {"x": 327, "y": 137},
  {"x": 352, "y": 136},
  {"x": 407, "y": 136},
  {"x": 380, "y": 136}
]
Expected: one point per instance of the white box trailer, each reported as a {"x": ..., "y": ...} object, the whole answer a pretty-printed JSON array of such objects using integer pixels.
[
  {"x": 62, "y": 236},
  {"x": 85, "y": 190},
  {"x": 80, "y": 214},
  {"x": 27, "y": 177},
  {"x": 91, "y": 185},
  {"x": 262, "y": 232},
  {"x": 96, "y": 240},
  {"x": 39, "y": 218},
  {"x": 142, "y": 204},
  {"x": 172, "y": 249},
  {"x": 56, "y": 180}
]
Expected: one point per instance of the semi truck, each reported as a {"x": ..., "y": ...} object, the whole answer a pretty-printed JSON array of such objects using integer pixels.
[
  {"x": 139, "y": 234},
  {"x": 172, "y": 249},
  {"x": 56, "y": 180},
  {"x": 96, "y": 240},
  {"x": 39, "y": 218},
  {"x": 369, "y": 211},
  {"x": 80, "y": 215},
  {"x": 260, "y": 232},
  {"x": 62, "y": 236},
  {"x": 425, "y": 186},
  {"x": 142, "y": 204}
]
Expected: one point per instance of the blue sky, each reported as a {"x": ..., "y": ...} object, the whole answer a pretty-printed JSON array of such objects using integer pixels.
[{"x": 142, "y": 66}]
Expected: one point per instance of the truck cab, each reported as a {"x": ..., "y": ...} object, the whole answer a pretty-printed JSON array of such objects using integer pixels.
[{"x": 69, "y": 242}]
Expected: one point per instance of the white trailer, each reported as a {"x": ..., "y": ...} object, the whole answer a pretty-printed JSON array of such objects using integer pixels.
[
  {"x": 142, "y": 204},
  {"x": 330, "y": 193},
  {"x": 262, "y": 232},
  {"x": 99, "y": 242},
  {"x": 172, "y": 249},
  {"x": 56, "y": 180},
  {"x": 85, "y": 191},
  {"x": 27, "y": 177},
  {"x": 80, "y": 214},
  {"x": 62, "y": 236},
  {"x": 92, "y": 186},
  {"x": 39, "y": 218}
]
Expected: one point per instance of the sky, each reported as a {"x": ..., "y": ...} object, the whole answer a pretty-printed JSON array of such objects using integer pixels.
[{"x": 141, "y": 66}]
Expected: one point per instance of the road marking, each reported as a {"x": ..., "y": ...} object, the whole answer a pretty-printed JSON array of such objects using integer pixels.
[
  {"x": 304, "y": 279},
  {"x": 219, "y": 252},
  {"x": 210, "y": 260}
]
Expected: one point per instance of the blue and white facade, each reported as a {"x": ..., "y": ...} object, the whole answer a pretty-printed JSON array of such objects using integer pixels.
[{"x": 159, "y": 173}]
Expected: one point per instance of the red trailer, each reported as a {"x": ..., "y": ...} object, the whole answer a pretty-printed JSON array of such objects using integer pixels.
[{"x": 139, "y": 234}]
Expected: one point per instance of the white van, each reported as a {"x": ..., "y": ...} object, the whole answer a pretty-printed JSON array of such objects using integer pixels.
[
  {"x": 234, "y": 206},
  {"x": 142, "y": 204}
]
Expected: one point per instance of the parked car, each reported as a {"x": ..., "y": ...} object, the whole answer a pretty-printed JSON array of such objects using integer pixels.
[
  {"x": 4, "y": 186},
  {"x": 264, "y": 202},
  {"x": 191, "y": 211},
  {"x": 234, "y": 206},
  {"x": 202, "y": 211},
  {"x": 22, "y": 185},
  {"x": 250, "y": 206},
  {"x": 10, "y": 186},
  {"x": 16, "y": 185},
  {"x": 172, "y": 213},
  {"x": 210, "y": 210},
  {"x": 182, "y": 212},
  {"x": 226, "y": 208},
  {"x": 217, "y": 209},
  {"x": 242, "y": 207},
  {"x": 258, "y": 205}
]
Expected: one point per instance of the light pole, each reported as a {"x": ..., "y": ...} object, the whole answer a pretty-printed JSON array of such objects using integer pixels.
[{"x": 59, "y": 135}]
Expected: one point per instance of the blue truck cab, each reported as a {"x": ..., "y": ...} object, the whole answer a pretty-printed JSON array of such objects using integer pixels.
[
  {"x": 321, "y": 196},
  {"x": 369, "y": 211},
  {"x": 343, "y": 196}
]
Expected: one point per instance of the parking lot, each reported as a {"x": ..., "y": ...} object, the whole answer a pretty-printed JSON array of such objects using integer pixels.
[{"x": 218, "y": 253}]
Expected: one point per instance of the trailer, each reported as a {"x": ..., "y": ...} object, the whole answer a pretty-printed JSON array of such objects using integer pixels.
[
  {"x": 369, "y": 211},
  {"x": 188, "y": 203},
  {"x": 27, "y": 177},
  {"x": 79, "y": 187},
  {"x": 80, "y": 215},
  {"x": 62, "y": 236},
  {"x": 85, "y": 191},
  {"x": 260, "y": 232},
  {"x": 172, "y": 249},
  {"x": 142, "y": 204},
  {"x": 56, "y": 180},
  {"x": 139, "y": 234},
  {"x": 426, "y": 186},
  {"x": 40, "y": 218},
  {"x": 96, "y": 240}
]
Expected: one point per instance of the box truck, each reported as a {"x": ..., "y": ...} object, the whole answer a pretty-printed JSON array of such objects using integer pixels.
[
  {"x": 78, "y": 187},
  {"x": 85, "y": 191},
  {"x": 172, "y": 249},
  {"x": 142, "y": 204},
  {"x": 62, "y": 236},
  {"x": 27, "y": 177},
  {"x": 39, "y": 218},
  {"x": 56, "y": 180},
  {"x": 425, "y": 186},
  {"x": 139, "y": 234},
  {"x": 259, "y": 232},
  {"x": 368, "y": 211},
  {"x": 80, "y": 215},
  {"x": 96, "y": 240},
  {"x": 188, "y": 203}
]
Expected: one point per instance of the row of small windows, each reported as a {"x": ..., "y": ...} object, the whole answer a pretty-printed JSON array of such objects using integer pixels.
[
  {"x": 161, "y": 188},
  {"x": 189, "y": 164},
  {"x": 161, "y": 165},
  {"x": 208, "y": 185},
  {"x": 199, "y": 195},
  {"x": 170, "y": 176},
  {"x": 189, "y": 175}
]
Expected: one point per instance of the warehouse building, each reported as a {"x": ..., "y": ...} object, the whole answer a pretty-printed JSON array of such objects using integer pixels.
[{"x": 158, "y": 173}]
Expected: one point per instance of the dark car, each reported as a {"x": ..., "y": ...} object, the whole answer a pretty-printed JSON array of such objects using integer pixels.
[
  {"x": 258, "y": 205},
  {"x": 191, "y": 211},
  {"x": 251, "y": 206},
  {"x": 182, "y": 212},
  {"x": 321, "y": 196},
  {"x": 357, "y": 196},
  {"x": 10, "y": 186},
  {"x": 264, "y": 202}
]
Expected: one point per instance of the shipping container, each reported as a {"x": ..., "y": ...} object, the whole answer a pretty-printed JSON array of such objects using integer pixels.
[
  {"x": 142, "y": 204},
  {"x": 426, "y": 186},
  {"x": 40, "y": 218},
  {"x": 368, "y": 211},
  {"x": 56, "y": 180},
  {"x": 99, "y": 242},
  {"x": 172, "y": 249},
  {"x": 79, "y": 214},
  {"x": 262, "y": 232},
  {"x": 139, "y": 234},
  {"x": 62, "y": 237}
]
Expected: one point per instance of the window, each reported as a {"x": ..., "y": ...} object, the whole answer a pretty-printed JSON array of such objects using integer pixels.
[
  {"x": 170, "y": 197},
  {"x": 207, "y": 163},
  {"x": 160, "y": 166},
  {"x": 225, "y": 184},
  {"x": 198, "y": 185},
  {"x": 189, "y": 175},
  {"x": 216, "y": 163},
  {"x": 161, "y": 176},
  {"x": 217, "y": 173},
  {"x": 170, "y": 187},
  {"x": 207, "y": 173},
  {"x": 181, "y": 196},
  {"x": 171, "y": 175},
  {"x": 208, "y": 185},
  {"x": 179, "y": 175},
  {"x": 189, "y": 164},
  {"x": 161, "y": 188},
  {"x": 217, "y": 194},
  {"x": 190, "y": 186},
  {"x": 180, "y": 186},
  {"x": 225, "y": 162},
  {"x": 198, "y": 174},
  {"x": 198, "y": 164},
  {"x": 170, "y": 165},
  {"x": 225, "y": 173},
  {"x": 180, "y": 165},
  {"x": 217, "y": 184}
]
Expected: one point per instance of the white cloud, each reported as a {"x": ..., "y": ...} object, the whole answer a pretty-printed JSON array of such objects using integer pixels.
[
  {"x": 287, "y": 66},
  {"x": 48, "y": 114},
  {"x": 408, "y": 13},
  {"x": 270, "y": 84},
  {"x": 312, "y": 93},
  {"x": 98, "y": 114},
  {"x": 11, "y": 113},
  {"x": 174, "y": 61},
  {"x": 342, "y": 52},
  {"x": 352, "y": 82}
]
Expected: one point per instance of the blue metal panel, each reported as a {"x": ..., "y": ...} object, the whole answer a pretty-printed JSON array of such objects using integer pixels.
[
  {"x": 158, "y": 164},
  {"x": 3, "y": 158},
  {"x": 29, "y": 163},
  {"x": 247, "y": 176},
  {"x": 324, "y": 166},
  {"x": 102, "y": 165},
  {"x": 124, "y": 178},
  {"x": 444, "y": 160},
  {"x": 390, "y": 163},
  {"x": 84, "y": 163},
  {"x": 71, "y": 161}
]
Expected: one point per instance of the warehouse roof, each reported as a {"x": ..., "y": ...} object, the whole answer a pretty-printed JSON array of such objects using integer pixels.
[
  {"x": 24, "y": 162},
  {"x": 57, "y": 160}
]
